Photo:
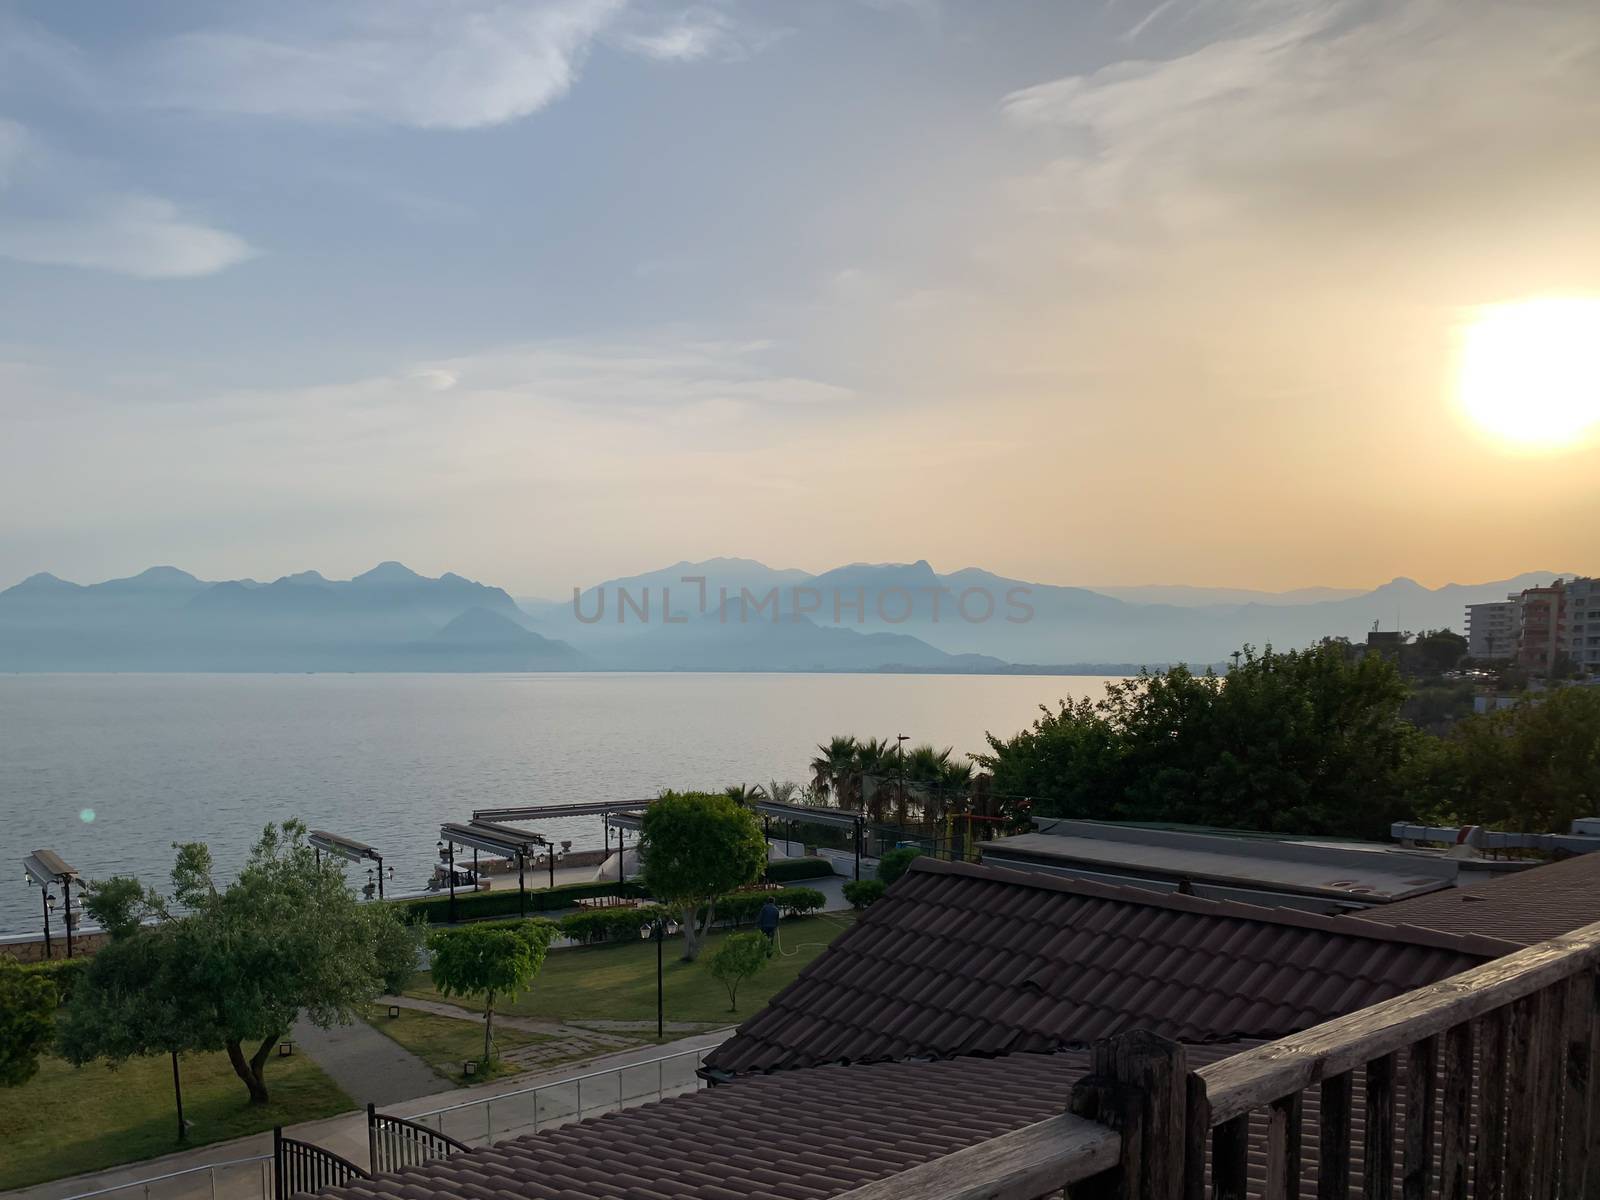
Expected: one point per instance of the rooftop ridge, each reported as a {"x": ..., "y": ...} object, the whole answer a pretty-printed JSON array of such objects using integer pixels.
[{"x": 1369, "y": 929}]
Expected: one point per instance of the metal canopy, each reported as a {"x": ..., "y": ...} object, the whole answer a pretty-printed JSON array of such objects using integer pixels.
[
  {"x": 347, "y": 848},
  {"x": 592, "y": 808},
  {"x": 804, "y": 812},
  {"x": 624, "y": 821},
  {"x": 504, "y": 840},
  {"x": 46, "y": 867}
]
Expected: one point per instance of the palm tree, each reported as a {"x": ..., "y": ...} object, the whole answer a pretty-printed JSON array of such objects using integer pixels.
[
  {"x": 832, "y": 768},
  {"x": 779, "y": 793},
  {"x": 875, "y": 759}
]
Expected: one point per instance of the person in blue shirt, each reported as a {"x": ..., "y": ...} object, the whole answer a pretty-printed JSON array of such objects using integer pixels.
[{"x": 767, "y": 922}]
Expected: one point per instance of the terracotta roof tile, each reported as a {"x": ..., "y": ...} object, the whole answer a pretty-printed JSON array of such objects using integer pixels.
[
  {"x": 961, "y": 960},
  {"x": 1531, "y": 906}
]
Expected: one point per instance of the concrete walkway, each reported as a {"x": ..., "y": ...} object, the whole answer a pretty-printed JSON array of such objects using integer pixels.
[
  {"x": 347, "y": 1134},
  {"x": 371, "y": 1068}
]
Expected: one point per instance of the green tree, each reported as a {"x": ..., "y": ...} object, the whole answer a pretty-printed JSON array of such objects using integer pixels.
[
  {"x": 695, "y": 846},
  {"x": 489, "y": 961},
  {"x": 27, "y": 1021},
  {"x": 740, "y": 956},
  {"x": 833, "y": 771},
  {"x": 1308, "y": 741},
  {"x": 1531, "y": 768},
  {"x": 120, "y": 905},
  {"x": 285, "y": 939}
]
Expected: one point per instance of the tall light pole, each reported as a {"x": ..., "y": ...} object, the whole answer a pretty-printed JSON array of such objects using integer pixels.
[
  {"x": 900, "y": 787},
  {"x": 656, "y": 927}
]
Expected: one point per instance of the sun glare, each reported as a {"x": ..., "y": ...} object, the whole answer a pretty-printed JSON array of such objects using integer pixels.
[{"x": 1530, "y": 371}]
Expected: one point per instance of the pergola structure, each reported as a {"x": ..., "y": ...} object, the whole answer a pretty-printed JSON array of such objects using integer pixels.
[
  {"x": 46, "y": 868},
  {"x": 816, "y": 816},
  {"x": 504, "y": 841},
  {"x": 614, "y": 814},
  {"x": 348, "y": 849}
]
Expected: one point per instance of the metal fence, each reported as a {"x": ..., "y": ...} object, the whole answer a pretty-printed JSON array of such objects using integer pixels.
[
  {"x": 231, "y": 1179},
  {"x": 548, "y": 1105}
]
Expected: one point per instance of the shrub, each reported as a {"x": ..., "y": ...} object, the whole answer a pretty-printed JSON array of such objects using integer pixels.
[
  {"x": 63, "y": 973},
  {"x": 788, "y": 870},
  {"x": 608, "y": 924},
  {"x": 797, "y": 901},
  {"x": 895, "y": 863},
  {"x": 506, "y": 902},
  {"x": 738, "y": 908},
  {"x": 862, "y": 892},
  {"x": 740, "y": 956}
]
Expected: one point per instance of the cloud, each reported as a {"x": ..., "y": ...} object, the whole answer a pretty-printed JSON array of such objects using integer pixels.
[
  {"x": 1340, "y": 111},
  {"x": 463, "y": 65},
  {"x": 55, "y": 210}
]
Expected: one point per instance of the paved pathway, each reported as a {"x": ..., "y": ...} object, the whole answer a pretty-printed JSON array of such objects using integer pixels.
[{"x": 370, "y": 1067}]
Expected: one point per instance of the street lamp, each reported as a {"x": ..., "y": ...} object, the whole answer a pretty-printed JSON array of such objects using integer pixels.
[
  {"x": 656, "y": 928},
  {"x": 447, "y": 851}
]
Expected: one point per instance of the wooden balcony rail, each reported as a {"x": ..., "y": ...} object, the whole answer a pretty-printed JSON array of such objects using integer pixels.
[{"x": 1484, "y": 1085}]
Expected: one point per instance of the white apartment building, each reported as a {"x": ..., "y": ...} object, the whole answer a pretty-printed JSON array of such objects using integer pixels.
[
  {"x": 1493, "y": 629},
  {"x": 1582, "y": 635}
]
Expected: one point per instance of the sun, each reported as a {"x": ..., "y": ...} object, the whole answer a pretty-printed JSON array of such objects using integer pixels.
[{"x": 1529, "y": 371}]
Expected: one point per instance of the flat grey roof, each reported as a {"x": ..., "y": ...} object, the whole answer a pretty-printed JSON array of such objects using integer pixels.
[{"x": 1351, "y": 871}]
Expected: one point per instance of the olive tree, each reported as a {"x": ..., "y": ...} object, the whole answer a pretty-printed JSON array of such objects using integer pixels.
[
  {"x": 242, "y": 962},
  {"x": 696, "y": 846},
  {"x": 489, "y": 961}
]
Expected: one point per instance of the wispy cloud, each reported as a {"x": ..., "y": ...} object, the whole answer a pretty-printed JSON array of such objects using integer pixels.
[
  {"x": 464, "y": 65},
  {"x": 55, "y": 211}
]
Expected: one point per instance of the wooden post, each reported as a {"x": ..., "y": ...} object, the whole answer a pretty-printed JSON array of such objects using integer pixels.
[
  {"x": 1550, "y": 1051},
  {"x": 1333, "y": 1147},
  {"x": 1577, "y": 1056},
  {"x": 1422, "y": 1064},
  {"x": 1455, "y": 1149},
  {"x": 1197, "y": 1134},
  {"x": 1522, "y": 1095},
  {"x": 1489, "y": 1166},
  {"x": 1139, "y": 1086},
  {"x": 1377, "y": 1161},
  {"x": 1230, "y": 1159},
  {"x": 1283, "y": 1149}
]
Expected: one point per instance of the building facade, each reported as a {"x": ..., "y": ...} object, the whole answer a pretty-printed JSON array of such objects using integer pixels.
[
  {"x": 1583, "y": 624},
  {"x": 1492, "y": 629}
]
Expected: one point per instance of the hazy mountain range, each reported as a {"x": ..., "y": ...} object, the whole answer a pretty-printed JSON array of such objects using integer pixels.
[{"x": 723, "y": 614}]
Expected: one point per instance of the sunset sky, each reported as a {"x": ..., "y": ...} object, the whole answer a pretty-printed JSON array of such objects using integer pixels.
[{"x": 1119, "y": 291}]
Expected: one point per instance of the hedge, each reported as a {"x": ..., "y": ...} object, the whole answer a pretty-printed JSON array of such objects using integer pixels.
[
  {"x": 507, "y": 902},
  {"x": 734, "y": 909},
  {"x": 895, "y": 863},
  {"x": 787, "y": 870},
  {"x": 63, "y": 972},
  {"x": 608, "y": 924}
]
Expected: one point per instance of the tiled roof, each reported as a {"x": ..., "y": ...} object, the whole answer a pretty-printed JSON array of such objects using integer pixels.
[
  {"x": 803, "y": 1135},
  {"x": 798, "y": 1135},
  {"x": 965, "y": 960},
  {"x": 1527, "y": 907}
]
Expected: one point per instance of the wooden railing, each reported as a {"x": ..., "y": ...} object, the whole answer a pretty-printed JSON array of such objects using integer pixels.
[{"x": 1484, "y": 1085}]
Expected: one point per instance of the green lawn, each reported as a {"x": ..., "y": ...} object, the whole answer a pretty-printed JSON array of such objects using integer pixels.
[
  {"x": 67, "y": 1120},
  {"x": 618, "y": 982},
  {"x": 444, "y": 1043}
]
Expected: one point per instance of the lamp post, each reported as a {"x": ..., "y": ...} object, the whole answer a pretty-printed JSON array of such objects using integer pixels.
[
  {"x": 447, "y": 851},
  {"x": 49, "y": 903},
  {"x": 656, "y": 927}
]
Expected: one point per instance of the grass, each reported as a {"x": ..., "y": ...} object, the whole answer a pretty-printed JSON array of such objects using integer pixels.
[
  {"x": 67, "y": 1120},
  {"x": 617, "y": 982},
  {"x": 444, "y": 1043}
]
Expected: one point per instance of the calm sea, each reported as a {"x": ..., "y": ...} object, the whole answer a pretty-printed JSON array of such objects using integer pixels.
[{"x": 109, "y": 770}]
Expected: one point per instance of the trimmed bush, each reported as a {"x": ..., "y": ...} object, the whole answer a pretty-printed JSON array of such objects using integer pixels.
[
  {"x": 895, "y": 863},
  {"x": 739, "y": 908},
  {"x": 862, "y": 892},
  {"x": 608, "y": 924},
  {"x": 798, "y": 901},
  {"x": 788, "y": 870},
  {"x": 506, "y": 902},
  {"x": 64, "y": 973}
]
